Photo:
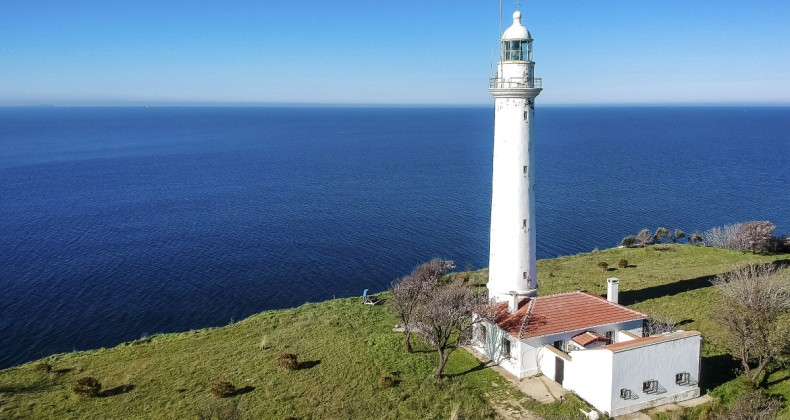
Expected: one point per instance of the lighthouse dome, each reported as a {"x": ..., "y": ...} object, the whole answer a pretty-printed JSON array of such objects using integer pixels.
[{"x": 517, "y": 30}]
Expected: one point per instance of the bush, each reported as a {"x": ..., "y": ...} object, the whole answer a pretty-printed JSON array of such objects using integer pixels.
[
  {"x": 288, "y": 361},
  {"x": 386, "y": 381},
  {"x": 223, "y": 389},
  {"x": 603, "y": 265},
  {"x": 752, "y": 404},
  {"x": 628, "y": 241},
  {"x": 753, "y": 236},
  {"x": 87, "y": 386},
  {"x": 696, "y": 238},
  {"x": 43, "y": 368},
  {"x": 623, "y": 263},
  {"x": 644, "y": 237}
]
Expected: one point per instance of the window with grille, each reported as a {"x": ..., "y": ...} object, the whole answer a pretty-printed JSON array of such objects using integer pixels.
[{"x": 506, "y": 348}]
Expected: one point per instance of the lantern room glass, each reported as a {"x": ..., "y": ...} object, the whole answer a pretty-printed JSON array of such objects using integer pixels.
[{"x": 517, "y": 50}]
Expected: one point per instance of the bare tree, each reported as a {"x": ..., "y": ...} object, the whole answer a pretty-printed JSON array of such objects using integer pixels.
[
  {"x": 757, "y": 235},
  {"x": 445, "y": 320},
  {"x": 644, "y": 237},
  {"x": 755, "y": 314},
  {"x": 696, "y": 238},
  {"x": 413, "y": 290}
]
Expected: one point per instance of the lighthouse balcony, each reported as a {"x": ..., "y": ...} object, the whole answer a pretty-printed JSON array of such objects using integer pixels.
[{"x": 515, "y": 83}]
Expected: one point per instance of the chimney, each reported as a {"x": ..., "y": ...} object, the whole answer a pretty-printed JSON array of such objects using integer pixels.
[
  {"x": 512, "y": 303},
  {"x": 612, "y": 289}
]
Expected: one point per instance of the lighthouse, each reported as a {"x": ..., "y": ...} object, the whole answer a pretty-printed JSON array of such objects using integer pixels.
[{"x": 512, "y": 270}]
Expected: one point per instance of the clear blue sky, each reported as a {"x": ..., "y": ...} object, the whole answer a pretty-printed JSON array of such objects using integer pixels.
[{"x": 388, "y": 52}]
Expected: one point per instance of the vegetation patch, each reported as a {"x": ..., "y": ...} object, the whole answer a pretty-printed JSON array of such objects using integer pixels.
[{"x": 355, "y": 344}]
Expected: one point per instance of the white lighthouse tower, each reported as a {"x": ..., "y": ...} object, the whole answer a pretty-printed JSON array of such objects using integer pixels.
[{"x": 512, "y": 267}]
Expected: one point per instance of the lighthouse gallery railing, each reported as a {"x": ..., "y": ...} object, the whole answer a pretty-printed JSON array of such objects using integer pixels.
[{"x": 515, "y": 82}]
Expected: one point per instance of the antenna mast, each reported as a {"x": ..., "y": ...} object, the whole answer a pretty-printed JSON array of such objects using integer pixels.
[{"x": 500, "y": 21}]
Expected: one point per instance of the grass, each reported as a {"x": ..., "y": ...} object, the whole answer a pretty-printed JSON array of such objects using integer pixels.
[{"x": 345, "y": 348}]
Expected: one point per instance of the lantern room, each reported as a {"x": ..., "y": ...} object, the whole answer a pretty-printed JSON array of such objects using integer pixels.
[{"x": 516, "y": 41}]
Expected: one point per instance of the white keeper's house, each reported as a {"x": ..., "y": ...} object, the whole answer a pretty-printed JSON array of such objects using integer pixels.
[{"x": 587, "y": 343}]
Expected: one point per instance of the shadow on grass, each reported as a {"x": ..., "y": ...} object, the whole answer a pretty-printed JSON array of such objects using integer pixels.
[
  {"x": 629, "y": 297},
  {"x": 37, "y": 386},
  {"x": 716, "y": 370},
  {"x": 768, "y": 373},
  {"x": 480, "y": 366},
  {"x": 242, "y": 391},
  {"x": 118, "y": 390},
  {"x": 309, "y": 364},
  {"x": 61, "y": 371}
]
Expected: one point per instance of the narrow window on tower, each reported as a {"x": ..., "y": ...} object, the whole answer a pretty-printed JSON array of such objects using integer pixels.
[
  {"x": 524, "y": 274},
  {"x": 524, "y": 223},
  {"x": 525, "y": 170},
  {"x": 525, "y": 115}
]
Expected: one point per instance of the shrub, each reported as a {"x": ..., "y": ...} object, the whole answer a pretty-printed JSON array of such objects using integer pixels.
[
  {"x": 644, "y": 237},
  {"x": 628, "y": 241},
  {"x": 288, "y": 361},
  {"x": 660, "y": 234},
  {"x": 753, "y": 236},
  {"x": 43, "y": 368},
  {"x": 623, "y": 263},
  {"x": 603, "y": 265},
  {"x": 223, "y": 389},
  {"x": 87, "y": 386},
  {"x": 386, "y": 381},
  {"x": 679, "y": 234},
  {"x": 752, "y": 404},
  {"x": 696, "y": 238}
]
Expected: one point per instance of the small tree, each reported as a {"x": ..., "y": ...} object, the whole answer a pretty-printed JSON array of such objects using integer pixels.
[
  {"x": 628, "y": 241},
  {"x": 623, "y": 263},
  {"x": 445, "y": 320},
  {"x": 411, "y": 291},
  {"x": 660, "y": 234},
  {"x": 757, "y": 235},
  {"x": 678, "y": 235},
  {"x": 644, "y": 237},
  {"x": 754, "y": 311},
  {"x": 603, "y": 265},
  {"x": 695, "y": 238}
]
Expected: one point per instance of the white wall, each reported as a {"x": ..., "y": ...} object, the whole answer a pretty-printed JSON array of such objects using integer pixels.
[
  {"x": 661, "y": 362},
  {"x": 589, "y": 375},
  {"x": 492, "y": 348}
]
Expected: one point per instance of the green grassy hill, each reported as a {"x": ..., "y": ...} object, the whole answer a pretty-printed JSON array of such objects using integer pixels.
[{"x": 345, "y": 347}]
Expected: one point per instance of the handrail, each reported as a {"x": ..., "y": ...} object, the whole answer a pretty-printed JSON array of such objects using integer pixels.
[{"x": 515, "y": 82}]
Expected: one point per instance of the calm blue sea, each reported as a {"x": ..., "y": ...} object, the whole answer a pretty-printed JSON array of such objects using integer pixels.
[{"x": 121, "y": 222}]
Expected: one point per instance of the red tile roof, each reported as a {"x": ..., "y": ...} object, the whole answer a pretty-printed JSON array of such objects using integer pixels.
[
  {"x": 563, "y": 312},
  {"x": 588, "y": 337}
]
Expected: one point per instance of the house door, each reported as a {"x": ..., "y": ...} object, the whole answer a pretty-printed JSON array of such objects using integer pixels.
[{"x": 559, "y": 370}]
